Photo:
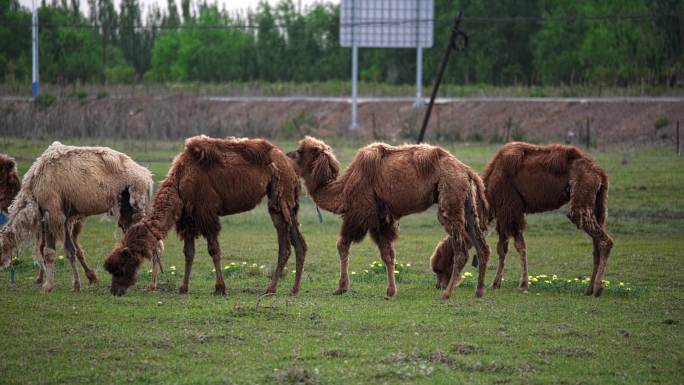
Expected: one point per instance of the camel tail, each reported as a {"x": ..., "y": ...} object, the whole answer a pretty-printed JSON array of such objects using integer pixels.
[
  {"x": 601, "y": 206},
  {"x": 479, "y": 201},
  {"x": 23, "y": 225}
]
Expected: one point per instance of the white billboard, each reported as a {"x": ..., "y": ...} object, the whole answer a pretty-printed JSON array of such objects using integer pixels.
[{"x": 386, "y": 23}]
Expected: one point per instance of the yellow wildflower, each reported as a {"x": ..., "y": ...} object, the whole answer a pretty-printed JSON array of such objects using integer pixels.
[{"x": 467, "y": 274}]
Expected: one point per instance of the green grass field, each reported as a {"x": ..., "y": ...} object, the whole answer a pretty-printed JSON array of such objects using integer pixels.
[{"x": 552, "y": 335}]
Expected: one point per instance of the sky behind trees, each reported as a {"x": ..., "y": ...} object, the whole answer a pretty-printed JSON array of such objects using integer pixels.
[{"x": 230, "y": 5}]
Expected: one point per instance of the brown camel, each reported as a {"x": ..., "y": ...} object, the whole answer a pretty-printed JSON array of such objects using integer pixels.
[
  {"x": 384, "y": 183},
  {"x": 208, "y": 179},
  {"x": 65, "y": 185},
  {"x": 524, "y": 178},
  {"x": 9, "y": 182}
]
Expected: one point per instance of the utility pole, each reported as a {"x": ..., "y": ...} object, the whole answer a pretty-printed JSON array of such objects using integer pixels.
[{"x": 34, "y": 39}]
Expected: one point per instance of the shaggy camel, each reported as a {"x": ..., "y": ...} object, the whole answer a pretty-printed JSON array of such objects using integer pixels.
[
  {"x": 9, "y": 181},
  {"x": 65, "y": 185},
  {"x": 9, "y": 188},
  {"x": 211, "y": 178},
  {"x": 384, "y": 183},
  {"x": 524, "y": 178}
]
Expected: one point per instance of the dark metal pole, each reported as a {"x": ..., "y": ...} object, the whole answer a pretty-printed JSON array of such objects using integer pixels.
[
  {"x": 455, "y": 34},
  {"x": 679, "y": 149}
]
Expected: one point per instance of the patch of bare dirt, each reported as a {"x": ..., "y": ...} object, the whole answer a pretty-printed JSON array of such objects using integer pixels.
[{"x": 177, "y": 117}]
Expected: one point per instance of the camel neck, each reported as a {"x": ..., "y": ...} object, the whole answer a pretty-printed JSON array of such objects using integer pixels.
[{"x": 329, "y": 196}]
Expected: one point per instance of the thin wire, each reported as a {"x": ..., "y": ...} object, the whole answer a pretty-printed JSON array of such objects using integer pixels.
[{"x": 437, "y": 22}]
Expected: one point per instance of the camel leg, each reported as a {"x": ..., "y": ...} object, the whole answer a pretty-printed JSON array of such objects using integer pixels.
[
  {"x": 343, "y": 245},
  {"x": 155, "y": 271},
  {"x": 70, "y": 250},
  {"x": 597, "y": 259},
  {"x": 76, "y": 232},
  {"x": 502, "y": 250},
  {"x": 387, "y": 255},
  {"x": 215, "y": 253},
  {"x": 189, "y": 253},
  {"x": 38, "y": 252},
  {"x": 522, "y": 250},
  {"x": 585, "y": 196},
  {"x": 603, "y": 244},
  {"x": 300, "y": 252},
  {"x": 284, "y": 248},
  {"x": 49, "y": 259},
  {"x": 383, "y": 236},
  {"x": 460, "y": 257}
]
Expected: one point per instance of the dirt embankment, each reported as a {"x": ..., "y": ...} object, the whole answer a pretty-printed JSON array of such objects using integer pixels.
[{"x": 486, "y": 120}]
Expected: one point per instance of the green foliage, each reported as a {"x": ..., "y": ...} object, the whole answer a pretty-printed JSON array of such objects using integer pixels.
[
  {"x": 44, "y": 100},
  {"x": 285, "y": 44},
  {"x": 120, "y": 74},
  {"x": 298, "y": 126},
  {"x": 661, "y": 122},
  {"x": 80, "y": 95}
]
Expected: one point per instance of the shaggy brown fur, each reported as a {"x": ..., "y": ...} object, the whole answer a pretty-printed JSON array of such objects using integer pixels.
[
  {"x": 525, "y": 178},
  {"x": 65, "y": 185},
  {"x": 9, "y": 182},
  {"x": 384, "y": 183},
  {"x": 208, "y": 179}
]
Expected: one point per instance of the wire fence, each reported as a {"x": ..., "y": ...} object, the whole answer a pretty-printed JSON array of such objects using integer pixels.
[{"x": 438, "y": 22}]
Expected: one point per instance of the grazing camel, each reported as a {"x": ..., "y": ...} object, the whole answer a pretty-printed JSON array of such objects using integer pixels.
[
  {"x": 208, "y": 179},
  {"x": 65, "y": 185},
  {"x": 9, "y": 182},
  {"x": 384, "y": 183},
  {"x": 524, "y": 178}
]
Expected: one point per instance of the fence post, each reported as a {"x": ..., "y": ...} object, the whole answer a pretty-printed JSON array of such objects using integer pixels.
[
  {"x": 588, "y": 133},
  {"x": 679, "y": 149},
  {"x": 509, "y": 123}
]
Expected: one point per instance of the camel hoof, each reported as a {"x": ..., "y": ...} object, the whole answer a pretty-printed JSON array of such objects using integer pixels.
[
  {"x": 294, "y": 291},
  {"x": 150, "y": 289},
  {"x": 480, "y": 292},
  {"x": 38, "y": 280},
  {"x": 77, "y": 288},
  {"x": 589, "y": 290},
  {"x": 220, "y": 291},
  {"x": 92, "y": 279},
  {"x": 391, "y": 292},
  {"x": 446, "y": 295},
  {"x": 183, "y": 290},
  {"x": 46, "y": 288},
  {"x": 598, "y": 291},
  {"x": 496, "y": 285},
  {"x": 340, "y": 291}
]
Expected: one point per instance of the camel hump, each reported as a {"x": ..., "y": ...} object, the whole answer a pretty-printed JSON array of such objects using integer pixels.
[
  {"x": 426, "y": 158},
  {"x": 257, "y": 151},
  {"x": 368, "y": 158},
  {"x": 557, "y": 157},
  {"x": 209, "y": 151}
]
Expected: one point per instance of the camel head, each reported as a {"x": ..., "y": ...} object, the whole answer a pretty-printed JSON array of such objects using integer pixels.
[
  {"x": 315, "y": 163},
  {"x": 9, "y": 181},
  {"x": 123, "y": 262},
  {"x": 441, "y": 263}
]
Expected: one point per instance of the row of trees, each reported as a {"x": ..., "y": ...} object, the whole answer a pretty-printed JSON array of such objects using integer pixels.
[{"x": 557, "y": 42}]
